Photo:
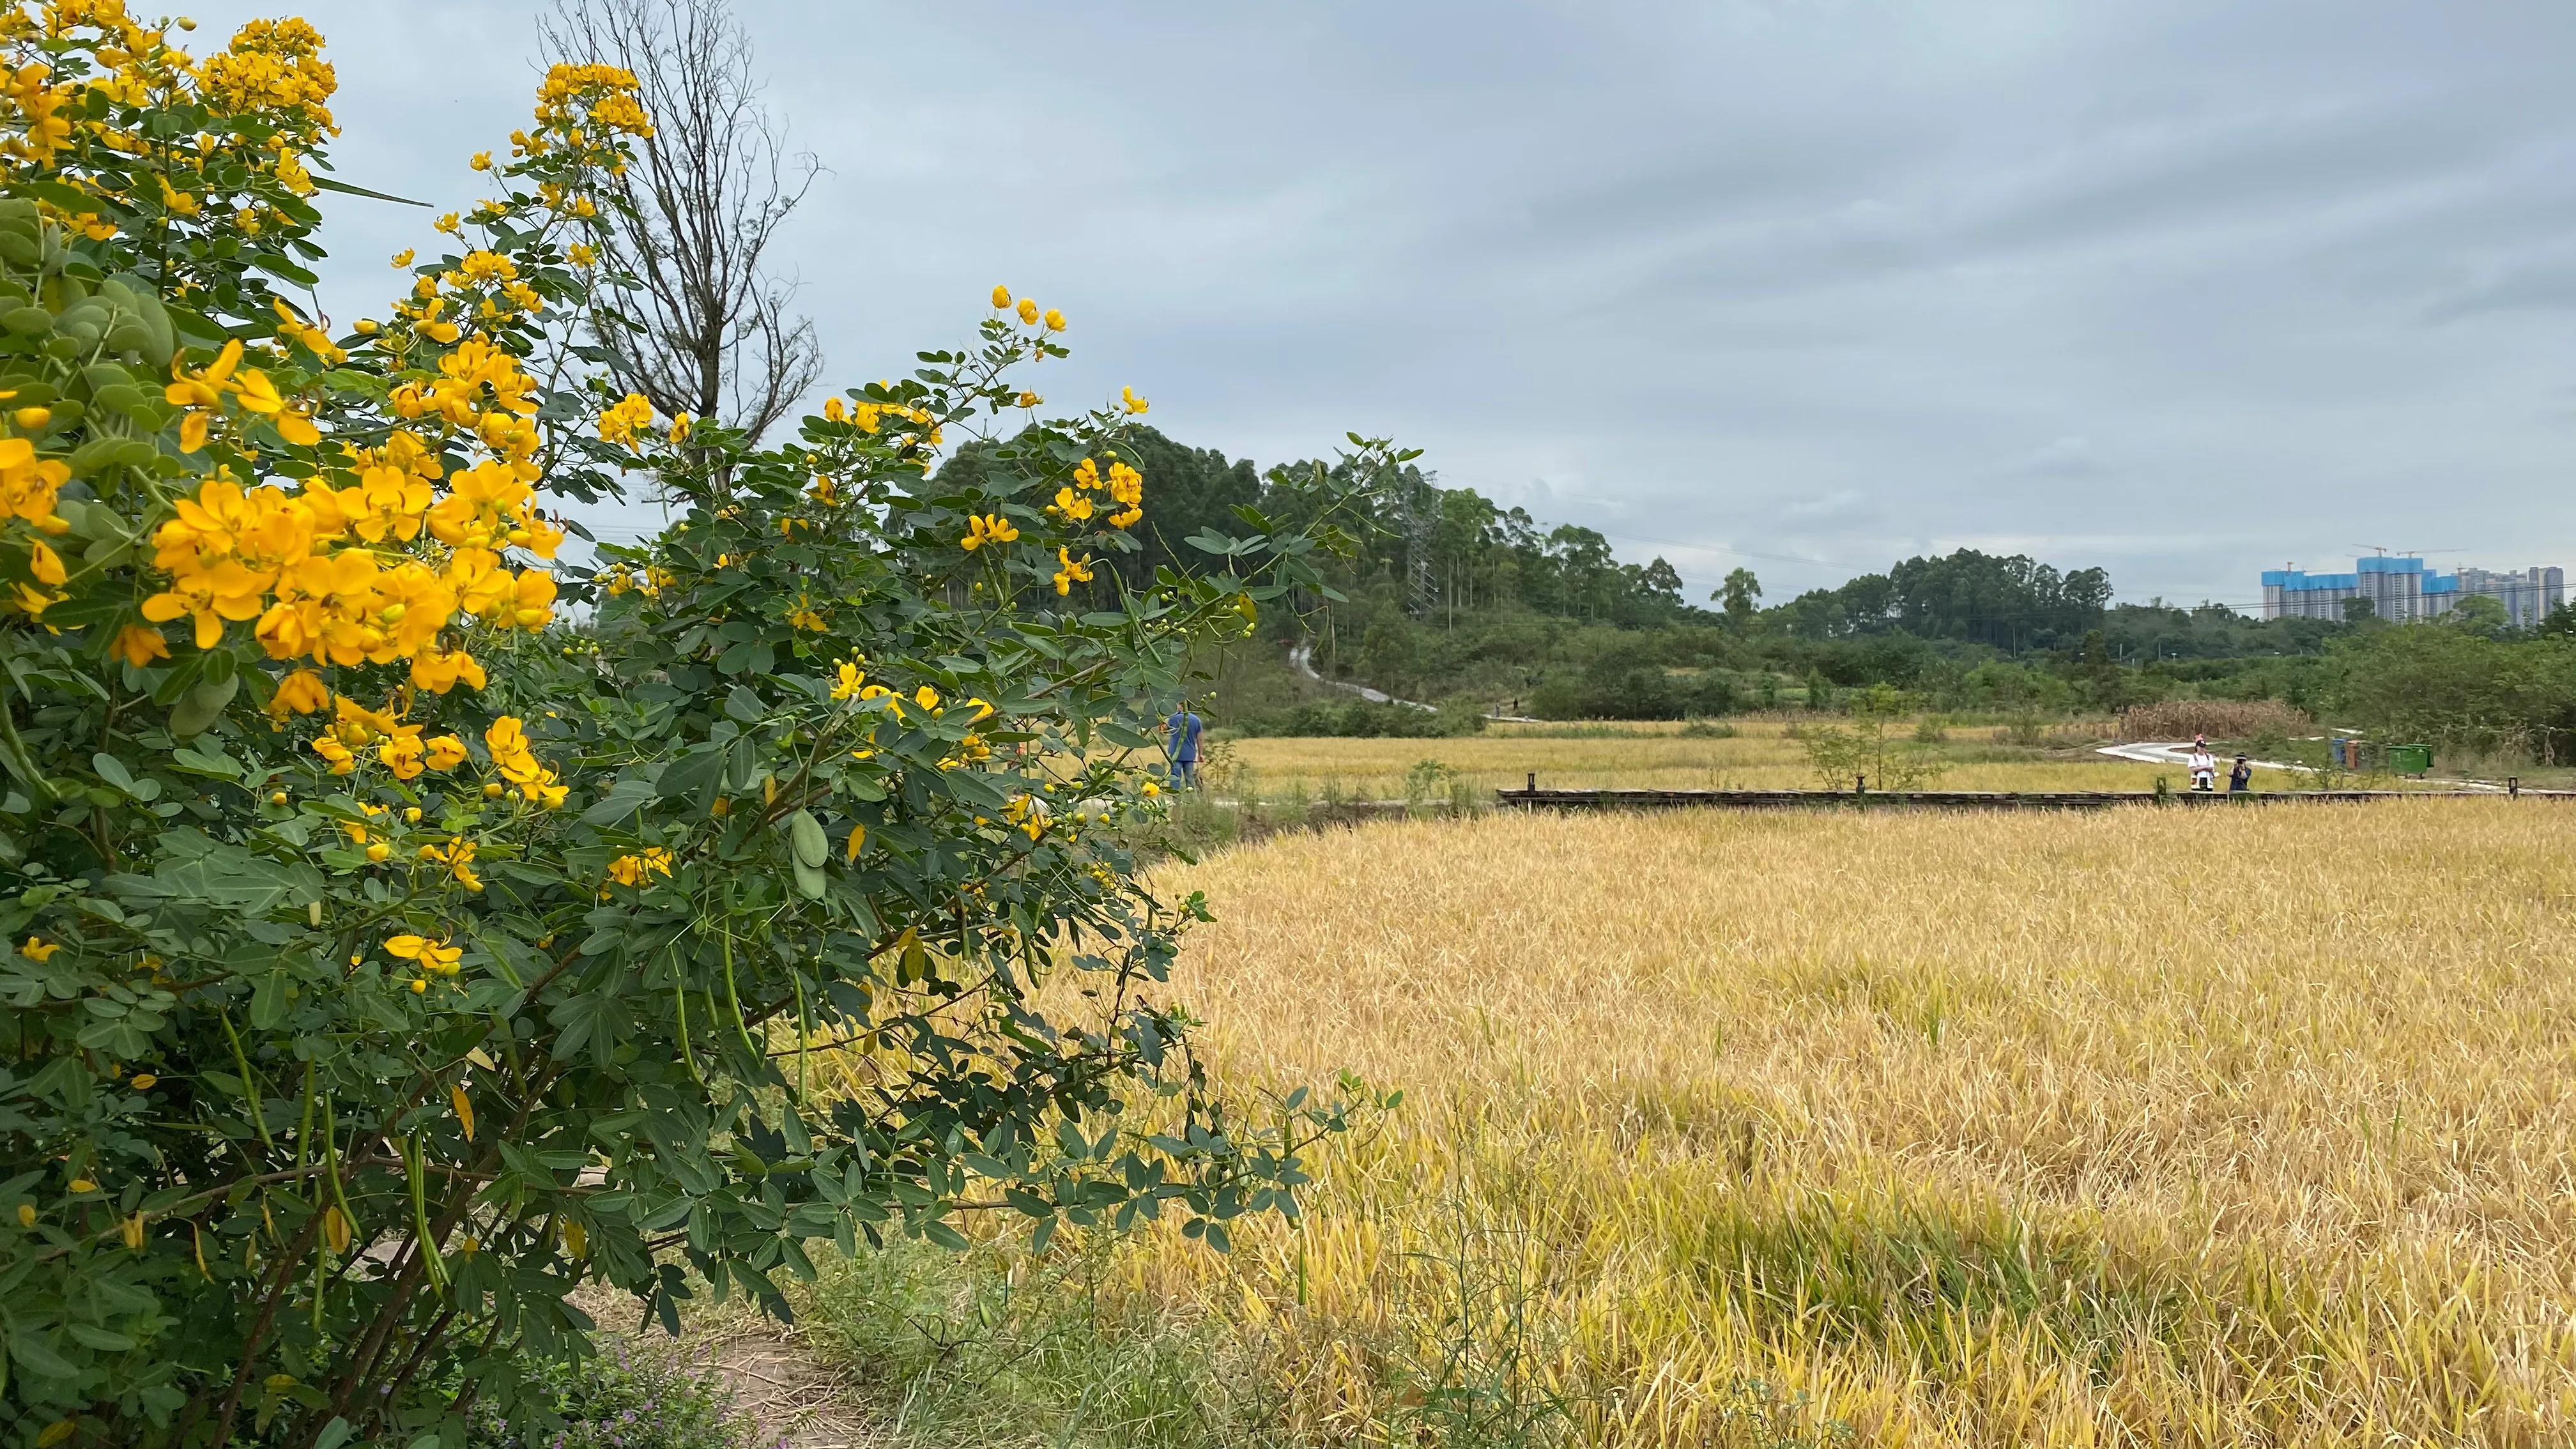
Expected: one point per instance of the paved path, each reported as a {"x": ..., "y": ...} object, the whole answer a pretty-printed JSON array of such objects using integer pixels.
[
  {"x": 1301, "y": 657},
  {"x": 2147, "y": 753},
  {"x": 2150, "y": 753}
]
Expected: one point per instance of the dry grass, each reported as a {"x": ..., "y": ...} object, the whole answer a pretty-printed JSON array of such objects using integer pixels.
[
  {"x": 1761, "y": 757},
  {"x": 2220, "y": 719},
  {"x": 2149, "y": 1128}
]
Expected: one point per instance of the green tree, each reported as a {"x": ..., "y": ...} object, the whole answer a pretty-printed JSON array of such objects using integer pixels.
[{"x": 1740, "y": 597}]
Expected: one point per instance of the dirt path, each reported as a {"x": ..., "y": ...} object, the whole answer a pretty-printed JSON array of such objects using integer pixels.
[
  {"x": 780, "y": 1385},
  {"x": 778, "y": 1382}
]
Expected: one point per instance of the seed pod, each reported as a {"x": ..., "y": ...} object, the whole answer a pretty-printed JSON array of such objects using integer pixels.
[
  {"x": 335, "y": 1229},
  {"x": 805, "y": 833}
]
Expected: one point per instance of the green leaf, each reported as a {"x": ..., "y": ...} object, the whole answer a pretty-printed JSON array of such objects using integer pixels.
[
  {"x": 112, "y": 770},
  {"x": 325, "y": 183}
]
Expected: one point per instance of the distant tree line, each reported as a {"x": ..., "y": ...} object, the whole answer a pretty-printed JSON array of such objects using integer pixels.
[{"x": 1449, "y": 597}]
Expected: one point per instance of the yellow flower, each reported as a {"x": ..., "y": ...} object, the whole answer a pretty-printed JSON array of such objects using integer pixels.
[
  {"x": 987, "y": 528},
  {"x": 628, "y": 417},
  {"x": 446, "y": 224},
  {"x": 431, "y": 955},
  {"x": 403, "y": 258},
  {"x": 342, "y": 762},
  {"x": 858, "y": 837},
  {"x": 402, "y": 755},
  {"x": 139, "y": 646},
  {"x": 299, "y": 693},
  {"x": 379, "y": 850},
  {"x": 633, "y": 870},
  {"x": 143, "y": 1081},
  {"x": 446, "y": 752},
  {"x": 850, "y": 681},
  {"x": 1071, "y": 571},
  {"x": 457, "y": 856},
  {"x": 1001, "y": 298},
  {"x": 1029, "y": 399},
  {"x": 482, "y": 161},
  {"x": 1028, "y": 312},
  {"x": 680, "y": 427},
  {"x": 926, "y": 697},
  {"x": 1133, "y": 403},
  {"x": 1054, "y": 320},
  {"x": 45, "y": 564},
  {"x": 439, "y": 670},
  {"x": 38, "y": 949}
]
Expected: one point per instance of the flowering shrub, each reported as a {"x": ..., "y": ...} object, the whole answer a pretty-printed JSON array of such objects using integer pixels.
[{"x": 391, "y": 956}]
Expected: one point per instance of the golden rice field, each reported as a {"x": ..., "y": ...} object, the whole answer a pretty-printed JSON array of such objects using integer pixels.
[
  {"x": 1645, "y": 756},
  {"x": 2146, "y": 1128}
]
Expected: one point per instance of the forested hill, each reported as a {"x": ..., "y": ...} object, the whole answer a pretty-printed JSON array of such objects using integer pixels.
[
  {"x": 1450, "y": 597},
  {"x": 1443, "y": 553}
]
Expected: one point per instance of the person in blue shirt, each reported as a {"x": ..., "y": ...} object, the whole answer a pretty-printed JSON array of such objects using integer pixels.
[{"x": 1184, "y": 727}]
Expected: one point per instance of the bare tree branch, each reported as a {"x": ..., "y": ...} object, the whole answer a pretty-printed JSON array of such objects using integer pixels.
[{"x": 700, "y": 325}]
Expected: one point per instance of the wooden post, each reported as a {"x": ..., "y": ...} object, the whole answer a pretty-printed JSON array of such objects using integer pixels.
[
  {"x": 1533, "y": 783},
  {"x": 2513, "y": 787}
]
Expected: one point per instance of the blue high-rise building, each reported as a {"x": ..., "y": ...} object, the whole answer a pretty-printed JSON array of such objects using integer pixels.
[{"x": 2402, "y": 591}]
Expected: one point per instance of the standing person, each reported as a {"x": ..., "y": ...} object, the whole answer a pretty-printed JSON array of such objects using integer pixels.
[
  {"x": 2204, "y": 768},
  {"x": 2240, "y": 779},
  {"x": 1184, "y": 728}
]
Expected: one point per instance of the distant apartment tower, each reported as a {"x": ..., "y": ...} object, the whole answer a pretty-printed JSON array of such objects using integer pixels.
[
  {"x": 2527, "y": 596},
  {"x": 2402, "y": 591}
]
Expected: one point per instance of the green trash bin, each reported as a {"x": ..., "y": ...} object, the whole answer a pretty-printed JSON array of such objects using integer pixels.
[{"x": 2410, "y": 759}]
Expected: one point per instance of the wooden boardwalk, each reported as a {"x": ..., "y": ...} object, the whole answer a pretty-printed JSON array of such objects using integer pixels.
[{"x": 1534, "y": 798}]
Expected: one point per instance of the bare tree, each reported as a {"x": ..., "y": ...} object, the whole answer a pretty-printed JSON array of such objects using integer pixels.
[{"x": 703, "y": 327}]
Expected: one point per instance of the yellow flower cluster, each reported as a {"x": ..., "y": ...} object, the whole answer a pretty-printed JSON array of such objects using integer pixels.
[
  {"x": 265, "y": 555},
  {"x": 507, "y": 739},
  {"x": 984, "y": 528},
  {"x": 851, "y": 681},
  {"x": 272, "y": 78},
  {"x": 870, "y": 417},
  {"x": 274, "y": 67},
  {"x": 1124, "y": 485},
  {"x": 621, "y": 423},
  {"x": 1029, "y": 313},
  {"x": 602, "y": 95},
  {"x": 634, "y": 870},
  {"x": 618, "y": 578}
]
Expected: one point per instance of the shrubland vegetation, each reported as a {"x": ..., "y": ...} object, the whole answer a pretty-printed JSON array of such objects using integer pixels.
[{"x": 392, "y": 957}]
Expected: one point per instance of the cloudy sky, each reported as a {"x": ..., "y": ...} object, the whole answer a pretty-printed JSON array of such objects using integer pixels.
[{"x": 2183, "y": 288}]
